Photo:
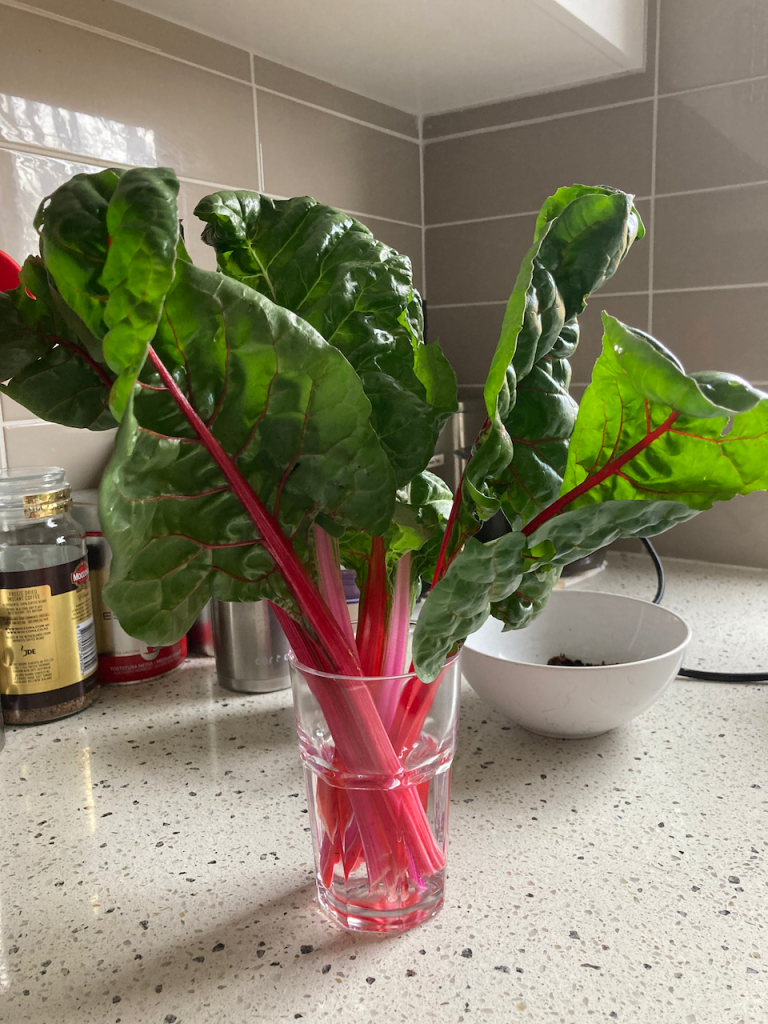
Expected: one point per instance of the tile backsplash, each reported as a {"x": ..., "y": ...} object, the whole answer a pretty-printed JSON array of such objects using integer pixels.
[{"x": 457, "y": 193}]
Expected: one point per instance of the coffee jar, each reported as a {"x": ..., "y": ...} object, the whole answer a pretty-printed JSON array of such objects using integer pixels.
[{"x": 48, "y": 657}]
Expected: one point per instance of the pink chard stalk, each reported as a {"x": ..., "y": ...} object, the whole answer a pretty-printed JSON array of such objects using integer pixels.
[{"x": 275, "y": 423}]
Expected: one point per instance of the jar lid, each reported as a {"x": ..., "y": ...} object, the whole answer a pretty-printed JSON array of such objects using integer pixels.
[{"x": 37, "y": 492}]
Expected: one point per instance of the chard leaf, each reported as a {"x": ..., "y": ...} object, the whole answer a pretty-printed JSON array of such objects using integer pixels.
[
  {"x": 578, "y": 532},
  {"x": 74, "y": 242},
  {"x": 48, "y": 369},
  {"x": 419, "y": 516},
  {"x": 646, "y": 430},
  {"x": 460, "y": 602},
  {"x": 143, "y": 229},
  {"x": 529, "y": 599},
  {"x": 285, "y": 405},
  {"x": 322, "y": 264},
  {"x": 581, "y": 236}
]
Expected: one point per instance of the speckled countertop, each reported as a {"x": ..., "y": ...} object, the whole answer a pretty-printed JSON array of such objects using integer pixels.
[{"x": 155, "y": 862}]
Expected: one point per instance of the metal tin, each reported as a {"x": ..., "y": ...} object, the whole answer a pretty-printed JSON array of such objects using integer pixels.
[
  {"x": 251, "y": 648},
  {"x": 122, "y": 659}
]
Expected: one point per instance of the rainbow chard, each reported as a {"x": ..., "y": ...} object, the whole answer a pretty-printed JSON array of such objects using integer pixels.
[{"x": 276, "y": 419}]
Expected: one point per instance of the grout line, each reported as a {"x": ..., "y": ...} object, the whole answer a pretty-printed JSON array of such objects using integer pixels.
[
  {"x": 27, "y": 423},
  {"x": 654, "y": 149},
  {"x": 423, "y": 208},
  {"x": 338, "y": 113},
  {"x": 503, "y": 302},
  {"x": 3, "y": 451},
  {"x": 712, "y": 288},
  {"x": 534, "y": 120},
  {"x": 583, "y": 110},
  {"x": 618, "y": 295},
  {"x": 712, "y": 188},
  {"x": 378, "y": 216},
  {"x": 95, "y": 30},
  {"x": 479, "y": 220},
  {"x": 259, "y": 154}
]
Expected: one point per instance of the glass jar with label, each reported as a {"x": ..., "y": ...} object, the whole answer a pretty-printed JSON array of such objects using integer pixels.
[{"x": 47, "y": 642}]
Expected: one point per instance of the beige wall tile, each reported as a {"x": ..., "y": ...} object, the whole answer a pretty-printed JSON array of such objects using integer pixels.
[
  {"x": 146, "y": 28},
  {"x": 479, "y": 261},
  {"x": 713, "y": 137},
  {"x": 622, "y": 88},
  {"x": 189, "y": 196},
  {"x": 146, "y": 109},
  {"x": 25, "y": 180},
  {"x": 731, "y": 532},
  {"x": 514, "y": 170},
  {"x": 716, "y": 330},
  {"x": 83, "y": 453},
  {"x": 468, "y": 336},
  {"x": 404, "y": 239},
  {"x": 707, "y": 41},
  {"x": 712, "y": 238},
  {"x": 630, "y": 309},
  {"x": 308, "y": 152},
  {"x": 293, "y": 83}
]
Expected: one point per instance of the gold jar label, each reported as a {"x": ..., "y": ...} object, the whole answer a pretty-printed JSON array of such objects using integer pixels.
[
  {"x": 43, "y": 506},
  {"x": 47, "y": 638}
]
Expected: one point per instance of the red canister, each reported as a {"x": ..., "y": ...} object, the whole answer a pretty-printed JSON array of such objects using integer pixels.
[{"x": 122, "y": 659}]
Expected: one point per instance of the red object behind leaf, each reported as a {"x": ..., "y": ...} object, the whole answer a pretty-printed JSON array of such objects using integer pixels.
[{"x": 9, "y": 272}]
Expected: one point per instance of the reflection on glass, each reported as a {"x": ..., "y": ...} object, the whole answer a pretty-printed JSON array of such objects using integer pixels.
[{"x": 40, "y": 124}]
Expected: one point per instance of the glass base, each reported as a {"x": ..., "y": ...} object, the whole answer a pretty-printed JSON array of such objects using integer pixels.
[{"x": 357, "y": 915}]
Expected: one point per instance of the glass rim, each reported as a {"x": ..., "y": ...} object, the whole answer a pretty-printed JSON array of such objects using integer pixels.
[{"x": 294, "y": 662}]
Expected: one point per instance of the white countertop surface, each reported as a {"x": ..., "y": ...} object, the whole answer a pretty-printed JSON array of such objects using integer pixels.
[{"x": 156, "y": 868}]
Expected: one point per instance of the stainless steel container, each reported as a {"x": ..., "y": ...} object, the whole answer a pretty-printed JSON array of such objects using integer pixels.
[{"x": 250, "y": 647}]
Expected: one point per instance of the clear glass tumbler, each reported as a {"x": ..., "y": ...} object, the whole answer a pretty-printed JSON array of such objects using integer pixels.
[{"x": 377, "y": 755}]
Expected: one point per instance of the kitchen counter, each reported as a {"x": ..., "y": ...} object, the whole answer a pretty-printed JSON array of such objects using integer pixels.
[{"x": 156, "y": 865}]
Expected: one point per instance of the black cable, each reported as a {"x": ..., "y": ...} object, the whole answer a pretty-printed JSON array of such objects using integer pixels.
[{"x": 694, "y": 673}]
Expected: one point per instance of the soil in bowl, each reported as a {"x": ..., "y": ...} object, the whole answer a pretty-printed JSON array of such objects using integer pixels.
[{"x": 566, "y": 662}]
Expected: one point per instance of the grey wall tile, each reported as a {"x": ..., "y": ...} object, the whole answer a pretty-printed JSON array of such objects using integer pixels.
[
  {"x": 513, "y": 170},
  {"x": 479, "y": 261},
  {"x": 146, "y": 28},
  {"x": 733, "y": 532},
  {"x": 711, "y": 238},
  {"x": 82, "y": 453},
  {"x": 632, "y": 86},
  {"x": 268, "y": 74},
  {"x": 308, "y": 152},
  {"x": 468, "y": 336},
  {"x": 716, "y": 330},
  {"x": 713, "y": 137},
  {"x": 147, "y": 109},
  {"x": 707, "y": 41}
]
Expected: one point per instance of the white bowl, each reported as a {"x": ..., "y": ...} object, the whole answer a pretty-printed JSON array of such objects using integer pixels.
[{"x": 510, "y": 670}]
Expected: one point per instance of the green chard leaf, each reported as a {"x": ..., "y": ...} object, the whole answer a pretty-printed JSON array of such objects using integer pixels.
[
  {"x": 519, "y": 459},
  {"x": 648, "y": 431},
  {"x": 329, "y": 269},
  {"x": 461, "y": 601},
  {"x": 109, "y": 242},
  {"x": 48, "y": 368},
  {"x": 291, "y": 412}
]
